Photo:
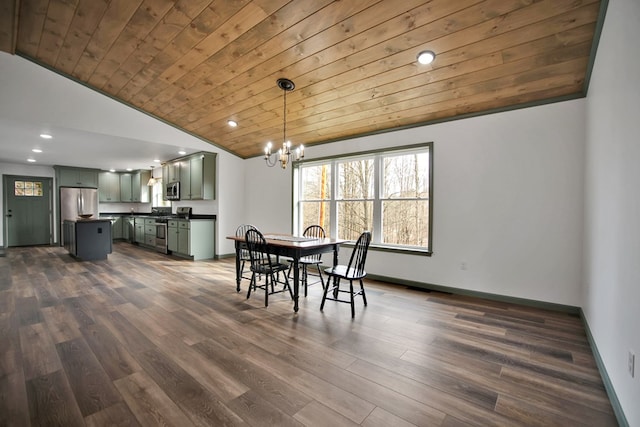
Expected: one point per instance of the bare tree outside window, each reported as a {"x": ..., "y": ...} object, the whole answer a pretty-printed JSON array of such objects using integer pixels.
[
  {"x": 405, "y": 200},
  {"x": 316, "y": 194},
  {"x": 355, "y": 198}
]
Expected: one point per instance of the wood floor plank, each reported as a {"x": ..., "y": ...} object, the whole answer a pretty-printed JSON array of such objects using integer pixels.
[
  {"x": 257, "y": 411},
  {"x": 149, "y": 339},
  {"x": 115, "y": 415},
  {"x": 151, "y": 406},
  {"x": 316, "y": 414},
  {"x": 90, "y": 384},
  {"x": 38, "y": 351},
  {"x": 61, "y": 323},
  {"x": 199, "y": 405},
  {"x": 14, "y": 409},
  {"x": 51, "y": 401},
  {"x": 112, "y": 354}
]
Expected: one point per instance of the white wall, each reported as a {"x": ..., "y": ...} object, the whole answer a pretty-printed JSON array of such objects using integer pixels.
[
  {"x": 508, "y": 202},
  {"x": 612, "y": 219}
]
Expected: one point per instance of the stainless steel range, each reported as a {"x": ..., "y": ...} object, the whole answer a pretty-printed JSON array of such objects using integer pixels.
[{"x": 162, "y": 222}]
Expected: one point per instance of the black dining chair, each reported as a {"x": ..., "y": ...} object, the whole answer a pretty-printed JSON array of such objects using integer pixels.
[
  {"x": 311, "y": 231},
  {"x": 262, "y": 264},
  {"x": 353, "y": 271},
  {"x": 241, "y": 231}
]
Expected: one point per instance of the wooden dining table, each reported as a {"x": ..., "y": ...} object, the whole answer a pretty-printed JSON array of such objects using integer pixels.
[{"x": 294, "y": 247}]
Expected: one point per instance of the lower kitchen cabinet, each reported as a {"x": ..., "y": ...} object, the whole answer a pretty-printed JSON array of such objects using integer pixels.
[
  {"x": 128, "y": 228},
  {"x": 116, "y": 228},
  {"x": 193, "y": 239},
  {"x": 139, "y": 230}
]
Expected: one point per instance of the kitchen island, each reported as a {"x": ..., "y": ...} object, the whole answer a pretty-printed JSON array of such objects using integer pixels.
[{"x": 88, "y": 239}]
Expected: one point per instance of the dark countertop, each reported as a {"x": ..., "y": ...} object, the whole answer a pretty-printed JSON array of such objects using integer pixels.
[
  {"x": 88, "y": 220},
  {"x": 149, "y": 215}
]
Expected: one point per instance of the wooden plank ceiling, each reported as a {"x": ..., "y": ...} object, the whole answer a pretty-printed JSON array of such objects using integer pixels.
[{"x": 197, "y": 64}]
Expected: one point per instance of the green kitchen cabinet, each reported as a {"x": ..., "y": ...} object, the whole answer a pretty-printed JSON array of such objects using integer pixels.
[
  {"x": 133, "y": 187},
  {"x": 116, "y": 228},
  {"x": 125, "y": 187},
  {"x": 139, "y": 230},
  {"x": 76, "y": 177},
  {"x": 198, "y": 177},
  {"x": 172, "y": 236},
  {"x": 192, "y": 239},
  {"x": 108, "y": 187}
]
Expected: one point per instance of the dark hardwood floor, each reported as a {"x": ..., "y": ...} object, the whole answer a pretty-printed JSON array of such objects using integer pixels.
[{"x": 147, "y": 339}]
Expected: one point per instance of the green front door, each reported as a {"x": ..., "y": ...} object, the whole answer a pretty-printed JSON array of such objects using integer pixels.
[{"x": 28, "y": 210}]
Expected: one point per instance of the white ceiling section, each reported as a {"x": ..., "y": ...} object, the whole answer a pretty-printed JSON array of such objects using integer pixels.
[{"x": 88, "y": 128}]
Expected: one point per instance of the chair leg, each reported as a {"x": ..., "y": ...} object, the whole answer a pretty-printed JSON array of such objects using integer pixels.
[
  {"x": 305, "y": 279},
  {"x": 320, "y": 274},
  {"x": 364, "y": 296},
  {"x": 324, "y": 294},
  {"x": 353, "y": 308},
  {"x": 266, "y": 288},
  {"x": 252, "y": 283}
]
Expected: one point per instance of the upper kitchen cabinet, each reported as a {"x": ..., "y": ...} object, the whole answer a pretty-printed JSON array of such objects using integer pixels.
[
  {"x": 139, "y": 188},
  {"x": 76, "y": 177},
  {"x": 196, "y": 174},
  {"x": 171, "y": 172},
  {"x": 109, "y": 187},
  {"x": 124, "y": 187}
]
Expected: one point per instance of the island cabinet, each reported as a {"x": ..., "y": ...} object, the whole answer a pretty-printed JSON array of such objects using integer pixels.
[
  {"x": 192, "y": 239},
  {"x": 108, "y": 187},
  {"x": 88, "y": 239},
  {"x": 76, "y": 177}
]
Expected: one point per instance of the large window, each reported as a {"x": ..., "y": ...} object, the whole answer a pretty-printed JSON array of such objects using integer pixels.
[{"x": 385, "y": 192}]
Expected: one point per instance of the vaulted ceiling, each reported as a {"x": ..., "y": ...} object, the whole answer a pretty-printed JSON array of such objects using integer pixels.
[{"x": 196, "y": 64}]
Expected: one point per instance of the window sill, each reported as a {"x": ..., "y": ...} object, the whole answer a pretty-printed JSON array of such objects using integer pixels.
[{"x": 394, "y": 249}]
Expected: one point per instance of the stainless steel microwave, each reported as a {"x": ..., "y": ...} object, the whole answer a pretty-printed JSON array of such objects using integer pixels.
[{"x": 173, "y": 190}]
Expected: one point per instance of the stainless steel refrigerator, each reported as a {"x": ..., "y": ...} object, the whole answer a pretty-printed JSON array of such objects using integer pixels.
[{"x": 75, "y": 202}]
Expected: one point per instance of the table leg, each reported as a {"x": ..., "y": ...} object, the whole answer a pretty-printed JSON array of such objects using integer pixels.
[
  {"x": 238, "y": 272},
  {"x": 296, "y": 283}
]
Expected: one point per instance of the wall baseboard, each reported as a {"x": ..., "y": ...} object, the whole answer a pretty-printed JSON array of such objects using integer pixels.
[
  {"x": 608, "y": 386},
  {"x": 486, "y": 295}
]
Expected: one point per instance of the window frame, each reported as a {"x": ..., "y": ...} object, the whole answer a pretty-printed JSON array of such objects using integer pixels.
[{"x": 378, "y": 156}]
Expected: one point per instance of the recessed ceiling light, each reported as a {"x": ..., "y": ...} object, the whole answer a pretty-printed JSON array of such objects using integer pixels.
[
  {"x": 45, "y": 136},
  {"x": 31, "y": 160},
  {"x": 426, "y": 57},
  {"x": 129, "y": 169},
  {"x": 232, "y": 123},
  {"x": 182, "y": 152},
  {"x": 112, "y": 170},
  {"x": 156, "y": 160},
  {"x": 37, "y": 150}
]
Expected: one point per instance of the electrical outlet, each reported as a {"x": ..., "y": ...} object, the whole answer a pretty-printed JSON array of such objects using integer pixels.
[
  {"x": 632, "y": 363},
  {"x": 463, "y": 265}
]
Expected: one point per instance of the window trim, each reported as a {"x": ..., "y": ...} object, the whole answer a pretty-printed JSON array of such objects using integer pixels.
[{"x": 361, "y": 154}]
